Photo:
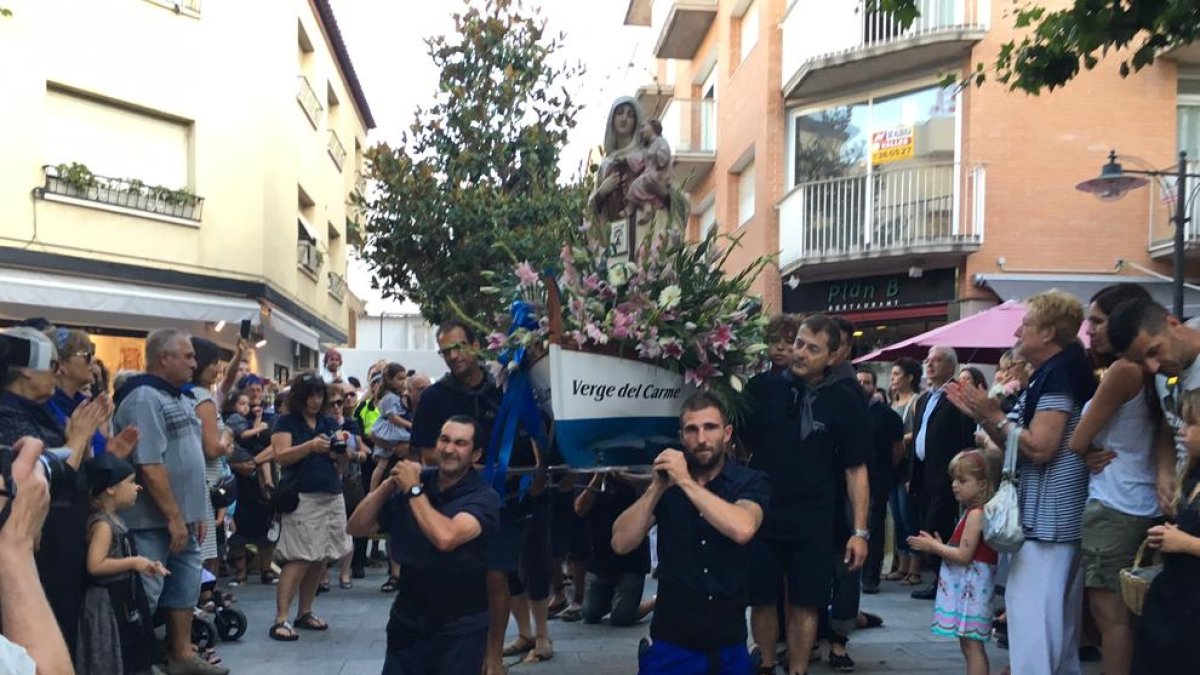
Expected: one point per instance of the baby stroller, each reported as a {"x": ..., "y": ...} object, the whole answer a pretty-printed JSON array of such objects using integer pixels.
[{"x": 216, "y": 617}]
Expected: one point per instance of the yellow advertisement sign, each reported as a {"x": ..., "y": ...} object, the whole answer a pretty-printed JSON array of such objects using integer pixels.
[{"x": 891, "y": 145}]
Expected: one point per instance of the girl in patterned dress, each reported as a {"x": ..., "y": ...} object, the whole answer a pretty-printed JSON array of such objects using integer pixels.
[{"x": 963, "y": 608}]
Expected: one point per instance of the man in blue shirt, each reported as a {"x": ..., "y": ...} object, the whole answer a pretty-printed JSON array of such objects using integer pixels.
[
  {"x": 708, "y": 507},
  {"x": 442, "y": 521}
]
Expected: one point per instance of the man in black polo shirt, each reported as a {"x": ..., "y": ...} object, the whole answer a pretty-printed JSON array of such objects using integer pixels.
[
  {"x": 708, "y": 507},
  {"x": 807, "y": 433},
  {"x": 442, "y": 521}
]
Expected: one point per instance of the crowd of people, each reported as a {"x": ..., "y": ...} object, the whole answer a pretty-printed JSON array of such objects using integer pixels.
[{"x": 127, "y": 502}]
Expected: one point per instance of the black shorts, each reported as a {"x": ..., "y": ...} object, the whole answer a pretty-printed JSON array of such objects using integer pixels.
[{"x": 806, "y": 564}]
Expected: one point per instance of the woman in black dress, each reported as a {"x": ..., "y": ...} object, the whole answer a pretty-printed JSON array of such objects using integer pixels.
[{"x": 1168, "y": 634}]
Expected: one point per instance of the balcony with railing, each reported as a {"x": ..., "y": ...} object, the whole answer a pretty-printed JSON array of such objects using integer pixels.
[
  {"x": 74, "y": 183},
  {"x": 690, "y": 127},
  {"x": 1162, "y": 192},
  {"x": 309, "y": 102},
  {"x": 932, "y": 213},
  {"x": 337, "y": 151},
  {"x": 834, "y": 45},
  {"x": 337, "y": 286},
  {"x": 679, "y": 26}
]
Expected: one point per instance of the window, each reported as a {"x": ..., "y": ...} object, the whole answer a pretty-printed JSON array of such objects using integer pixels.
[
  {"x": 708, "y": 219},
  {"x": 1188, "y": 117},
  {"x": 749, "y": 30},
  {"x": 910, "y": 127},
  {"x": 308, "y": 255},
  {"x": 746, "y": 194},
  {"x": 116, "y": 141}
]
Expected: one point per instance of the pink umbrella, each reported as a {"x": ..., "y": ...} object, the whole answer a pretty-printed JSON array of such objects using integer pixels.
[{"x": 979, "y": 338}]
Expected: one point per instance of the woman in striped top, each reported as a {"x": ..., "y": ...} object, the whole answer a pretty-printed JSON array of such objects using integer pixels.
[{"x": 1044, "y": 594}]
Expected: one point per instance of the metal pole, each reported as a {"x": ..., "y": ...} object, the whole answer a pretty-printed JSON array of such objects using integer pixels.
[{"x": 1181, "y": 220}]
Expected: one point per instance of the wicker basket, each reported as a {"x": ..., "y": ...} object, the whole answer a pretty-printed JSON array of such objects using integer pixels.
[{"x": 1136, "y": 580}]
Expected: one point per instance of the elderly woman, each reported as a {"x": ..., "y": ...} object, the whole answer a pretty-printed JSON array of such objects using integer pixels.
[
  {"x": 313, "y": 534},
  {"x": 30, "y": 362},
  {"x": 1044, "y": 594},
  {"x": 75, "y": 379}
]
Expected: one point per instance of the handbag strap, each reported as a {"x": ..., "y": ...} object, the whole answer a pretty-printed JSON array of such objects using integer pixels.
[{"x": 1011, "y": 449}]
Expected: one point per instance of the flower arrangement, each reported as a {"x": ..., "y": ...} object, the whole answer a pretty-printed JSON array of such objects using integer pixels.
[{"x": 672, "y": 305}]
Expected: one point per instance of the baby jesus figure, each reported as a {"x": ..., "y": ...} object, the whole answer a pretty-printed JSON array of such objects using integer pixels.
[{"x": 652, "y": 188}]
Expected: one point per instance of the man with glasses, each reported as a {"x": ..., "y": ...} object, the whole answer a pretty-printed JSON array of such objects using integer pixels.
[
  {"x": 708, "y": 508},
  {"x": 469, "y": 389},
  {"x": 940, "y": 431}
]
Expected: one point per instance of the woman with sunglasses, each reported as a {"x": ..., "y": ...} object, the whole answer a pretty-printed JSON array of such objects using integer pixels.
[{"x": 74, "y": 379}]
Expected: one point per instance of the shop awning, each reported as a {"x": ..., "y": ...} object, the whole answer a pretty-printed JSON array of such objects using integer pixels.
[
  {"x": 979, "y": 338},
  {"x": 284, "y": 324},
  {"x": 37, "y": 294},
  {"x": 1083, "y": 286}
]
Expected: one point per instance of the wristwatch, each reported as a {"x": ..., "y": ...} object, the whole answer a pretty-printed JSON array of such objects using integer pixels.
[
  {"x": 865, "y": 535},
  {"x": 415, "y": 491}
]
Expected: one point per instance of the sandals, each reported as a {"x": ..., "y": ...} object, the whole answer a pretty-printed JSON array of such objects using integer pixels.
[
  {"x": 345, "y": 584},
  {"x": 543, "y": 650},
  {"x": 522, "y": 644},
  {"x": 309, "y": 622},
  {"x": 277, "y": 632},
  {"x": 895, "y": 576},
  {"x": 389, "y": 586},
  {"x": 911, "y": 580},
  {"x": 842, "y": 663}
]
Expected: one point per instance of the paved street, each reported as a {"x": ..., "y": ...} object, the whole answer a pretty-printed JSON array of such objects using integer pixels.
[{"x": 355, "y": 644}]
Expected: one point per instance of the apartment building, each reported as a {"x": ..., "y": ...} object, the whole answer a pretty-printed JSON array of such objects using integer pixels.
[
  {"x": 821, "y": 132},
  {"x": 180, "y": 163}
]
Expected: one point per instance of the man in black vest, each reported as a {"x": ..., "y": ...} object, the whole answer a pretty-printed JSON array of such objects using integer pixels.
[{"x": 940, "y": 431}]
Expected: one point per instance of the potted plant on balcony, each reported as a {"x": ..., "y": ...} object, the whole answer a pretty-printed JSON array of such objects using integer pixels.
[{"x": 72, "y": 180}]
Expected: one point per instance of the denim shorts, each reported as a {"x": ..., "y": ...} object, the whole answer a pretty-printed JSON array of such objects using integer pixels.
[{"x": 181, "y": 588}]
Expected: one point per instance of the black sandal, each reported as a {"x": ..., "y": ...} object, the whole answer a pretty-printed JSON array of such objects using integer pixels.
[
  {"x": 389, "y": 586},
  {"x": 841, "y": 662},
  {"x": 309, "y": 622},
  {"x": 871, "y": 620},
  {"x": 276, "y": 632}
]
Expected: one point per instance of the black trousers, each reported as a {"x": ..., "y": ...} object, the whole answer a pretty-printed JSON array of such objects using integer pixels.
[{"x": 876, "y": 518}]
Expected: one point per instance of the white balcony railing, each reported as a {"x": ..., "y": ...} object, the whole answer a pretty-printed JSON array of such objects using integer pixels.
[
  {"x": 816, "y": 28},
  {"x": 1162, "y": 212},
  {"x": 886, "y": 212},
  {"x": 308, "y": 100},
  {"x": 337, "y": 151},
  {"x": 690, "y": 126}
]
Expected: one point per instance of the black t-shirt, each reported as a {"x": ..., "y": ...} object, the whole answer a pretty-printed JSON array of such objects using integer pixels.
[
  {"x": 886, "y": 429},
  {"x": 608, "y": 505},
  {"x": 804, "y": 473},
  {"x": 316, "y": 472},
  {"x": 448, "y": 397}
]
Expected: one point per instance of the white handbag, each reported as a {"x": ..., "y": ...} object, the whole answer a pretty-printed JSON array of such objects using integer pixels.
[{"x": 1002, "y": 514}]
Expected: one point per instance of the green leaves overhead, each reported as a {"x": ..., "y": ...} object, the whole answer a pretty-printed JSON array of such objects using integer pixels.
[
  {"x": 475, "y": 181},
  {"x": 1053, "y": 45}
]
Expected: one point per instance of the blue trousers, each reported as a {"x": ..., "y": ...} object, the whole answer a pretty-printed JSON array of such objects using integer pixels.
[{"x": 664, "y": 658}]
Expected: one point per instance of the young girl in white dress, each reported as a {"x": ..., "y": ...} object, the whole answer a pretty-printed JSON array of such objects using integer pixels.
[{"x": 963, "y": 607}]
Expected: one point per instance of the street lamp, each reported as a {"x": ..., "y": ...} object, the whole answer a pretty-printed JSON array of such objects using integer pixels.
[{"x": 1115, "y": 181}]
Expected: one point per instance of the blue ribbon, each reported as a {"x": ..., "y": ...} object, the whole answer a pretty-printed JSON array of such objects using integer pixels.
[{"x": 518, "y": 408}]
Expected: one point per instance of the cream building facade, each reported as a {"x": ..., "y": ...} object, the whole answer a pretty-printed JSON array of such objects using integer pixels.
[{"x": 185, "y": 164}]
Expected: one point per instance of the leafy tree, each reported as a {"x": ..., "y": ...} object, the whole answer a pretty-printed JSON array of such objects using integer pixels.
[
  {"x": 1057, "y": 43},
  {"x": 475, "y": 185}
]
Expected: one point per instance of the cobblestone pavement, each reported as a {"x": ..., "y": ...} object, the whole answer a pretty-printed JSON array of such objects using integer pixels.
[{"x": 355, "y": 643}]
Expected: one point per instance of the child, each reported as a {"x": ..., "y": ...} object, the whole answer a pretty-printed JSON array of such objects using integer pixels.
[
  {"x": 116, "y": 633},
  {"x": 963, "y": 607},
  {"x": 393, "y": 428},
  {"x": 1166, "y": 641}
]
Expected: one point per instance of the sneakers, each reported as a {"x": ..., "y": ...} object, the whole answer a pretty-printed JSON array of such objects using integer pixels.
[{"x": 194, "y": 665}]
